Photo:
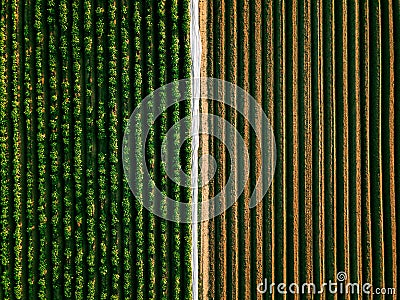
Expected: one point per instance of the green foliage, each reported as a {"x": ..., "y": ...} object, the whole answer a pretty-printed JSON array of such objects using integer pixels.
[{"x": 75, "y": 228}]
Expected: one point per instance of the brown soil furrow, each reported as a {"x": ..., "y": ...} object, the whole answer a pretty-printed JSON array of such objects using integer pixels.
[
  {"x": 232, "y": 245},
  {"x": 330, "y": 101},
  {"x": 204, "y": 258},
  {"x": 392, "y": 253},
  {"x": 258, "y": 159},
  {"x": 358, "y": 133},
  {"x": 220, "y": 155},
  {"x": 246, "y": 217},
  {"x": 209, "y": 293},
  {"x": 270, "y": 114},
  {"x": 280, "y": 190},
  {"x": 345, "y": 148},
  {"x": 334, "y": 146},
  {"x": 365, "y": 166},
  {"x": 295, "y": 153},
  {"x": 321, "y": 152},
  {"x": 203, "y": 23},
  {"x": 308, "y": 144}
]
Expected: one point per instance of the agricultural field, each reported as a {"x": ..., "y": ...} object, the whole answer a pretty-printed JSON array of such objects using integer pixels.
[
  {"x": 325, "y": 74},
  {"x": 71, "y": 74}
]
